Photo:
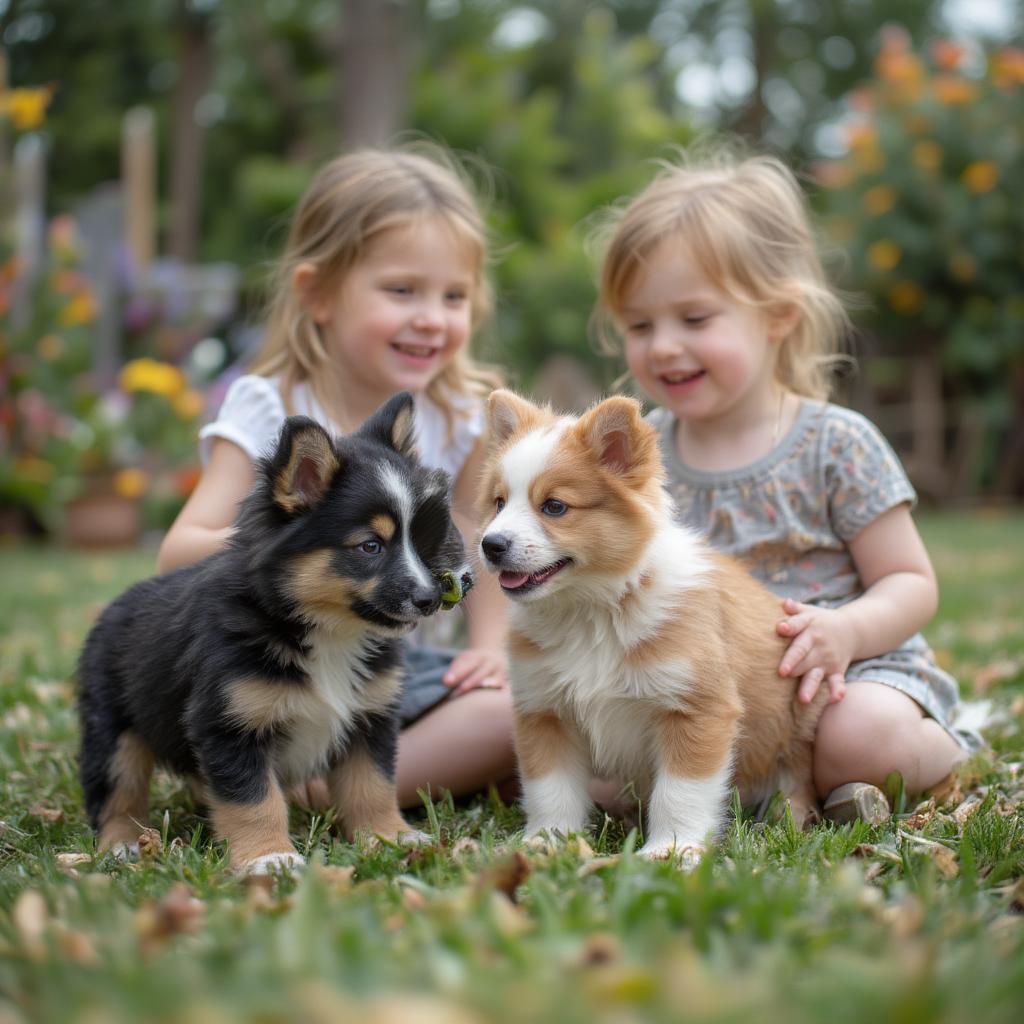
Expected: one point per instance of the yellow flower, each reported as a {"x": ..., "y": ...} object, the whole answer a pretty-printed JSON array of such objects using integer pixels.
[
  {"x": 151, "y": 375},
  {"x": 906, "y": 297},
  {"x": 981, "y": 176},
  {"x": 188, "y": 405},
  {"x": 884, "y": 255},
  {"x": 51, "y": 347},
  {"x": 879, "y": 200},
  {"x": 26, "y": 107},
  {"x": 1007, "y": 67},
  {"x": 927, "y": 155},
  {"x": 80, "y": 310},
  {"x": 131, "y": 483}
]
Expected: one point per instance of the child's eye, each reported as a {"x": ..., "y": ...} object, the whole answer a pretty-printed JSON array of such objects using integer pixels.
[
  {"x": 638, "y": 326},
  {"x": 455, "y": 296},
  {"x": 371, "y": 547},
  {"x": 553, "y": 507},
  {"x": 399, "y": 289},
  {"x": 696, "y": 319}
]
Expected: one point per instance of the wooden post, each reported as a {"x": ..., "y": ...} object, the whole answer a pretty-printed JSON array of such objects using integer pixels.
[
  {"x": 29, "y": 220},
  {"x": 138, "y": 174}
]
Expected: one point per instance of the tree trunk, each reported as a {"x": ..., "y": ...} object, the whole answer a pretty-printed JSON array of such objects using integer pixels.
[
  {"x": 194, "y": 68},
  {"x": 375, "y": 61}
]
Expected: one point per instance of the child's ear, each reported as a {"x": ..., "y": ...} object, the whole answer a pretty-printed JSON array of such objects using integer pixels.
[
  {"x": 624, "y": 444},
  {"x": 306, "y": 284},
  {"x": 507, "y": 413},
  {"x": 782, "y": 320},
  {"x": 303, "y": 465}
]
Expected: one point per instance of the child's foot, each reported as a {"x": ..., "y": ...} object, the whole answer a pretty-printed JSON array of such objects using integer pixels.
[{"x": 857, "y": 801}]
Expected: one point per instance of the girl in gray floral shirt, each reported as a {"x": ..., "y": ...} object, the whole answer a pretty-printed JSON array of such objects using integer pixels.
[{"x": 712, "y": 278}]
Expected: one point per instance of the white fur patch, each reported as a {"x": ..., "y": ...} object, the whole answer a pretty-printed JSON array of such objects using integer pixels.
[
  {"x": 272, "y": 863},
  {"x": 399, "y": 489},
  {"x": 685, "y": 812},
  {"x": 557, "y": 802},
  {"x": 318, "y": 717}
]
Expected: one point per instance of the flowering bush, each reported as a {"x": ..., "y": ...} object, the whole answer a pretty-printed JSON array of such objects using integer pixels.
[
  {"x": 927, "y": 201},
  {"x": 60, "y": 435}
]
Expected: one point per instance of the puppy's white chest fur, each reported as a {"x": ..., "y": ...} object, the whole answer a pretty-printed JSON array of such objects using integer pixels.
[
  {"x": 587, "y": 668},
  {"x": 320, "y": 715}
]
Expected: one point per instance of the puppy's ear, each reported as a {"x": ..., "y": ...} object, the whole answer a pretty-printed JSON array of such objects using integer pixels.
[
  {"x": 624, "y": 444},
  {"x": 302, "y": 467},
  {"x": 392, "y": 424},
  {"x": 507, "y": 413}
]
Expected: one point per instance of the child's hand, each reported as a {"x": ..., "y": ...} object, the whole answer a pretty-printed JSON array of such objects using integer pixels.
[
  {"x": 477, "y": 667},
  {"x": 822, "y": 649}
]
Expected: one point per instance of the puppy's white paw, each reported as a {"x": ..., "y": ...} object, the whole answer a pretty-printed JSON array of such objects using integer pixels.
[
  {"x": 414, "y": 837},
  {"x": 273, "y": 863},
  {"x": 687, "y": 855}
]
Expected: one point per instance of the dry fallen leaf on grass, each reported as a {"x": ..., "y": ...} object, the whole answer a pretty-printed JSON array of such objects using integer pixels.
[
  {"x": 506, "y": 875},
  {"x": 157, "y": 920},
  {"x": 54, "y": 815},
  {"x": 31, "y": 916}
]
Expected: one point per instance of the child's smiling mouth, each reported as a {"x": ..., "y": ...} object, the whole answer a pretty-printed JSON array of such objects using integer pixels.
[
  {"x": 420, "y": 352},
  {"x": 682, "y": 378}
]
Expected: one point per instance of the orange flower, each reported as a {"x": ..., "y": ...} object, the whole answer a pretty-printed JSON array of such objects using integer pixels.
[
  {"x": 952, "y": 90},
  {"x": 906, "y": 297},
  {"x": 879, "y": 200},
  {"x": 927, "y": 155},
  {"x": 131, "y": 483},
  {"x": 884, "y": 254},
  {"x": 947, "y": 54},
  {"x": 980, "y": 176},
  {"x": 860, "y": 135},
  {"x": 188, "y": 405},
  {"x": 1007, "y": 67}
]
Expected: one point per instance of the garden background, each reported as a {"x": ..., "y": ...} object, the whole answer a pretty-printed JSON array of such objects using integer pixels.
[{"x": 150, "y": 155}]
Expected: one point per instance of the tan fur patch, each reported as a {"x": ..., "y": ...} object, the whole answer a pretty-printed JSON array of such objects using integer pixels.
[
  {"x": 253, "y": 830},
  {"x": 124, "y": 815},
  {"x": 542, "y": 741},
  {"x": 364, "y": 798},
  {"x": 311, "y": 445},
  {"x": 383, "y": 525},
  {"x": 696, "y": 745},
  {"x": 519, "y": 645},
  {"x": 325, "y": 596}
]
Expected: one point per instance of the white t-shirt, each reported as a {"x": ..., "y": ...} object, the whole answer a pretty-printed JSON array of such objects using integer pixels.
[{"x": 253, "y": 410}]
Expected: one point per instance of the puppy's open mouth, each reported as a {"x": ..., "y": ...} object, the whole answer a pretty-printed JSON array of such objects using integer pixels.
[{"x": 521, "y": 582}]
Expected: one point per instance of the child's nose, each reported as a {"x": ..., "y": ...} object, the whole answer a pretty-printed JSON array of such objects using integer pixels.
[
  {"x": 665, "y": 341},
  {"x": 429, "y": 316}
]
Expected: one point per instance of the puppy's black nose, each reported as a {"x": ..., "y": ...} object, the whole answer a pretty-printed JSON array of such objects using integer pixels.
[
  {"x": 495, "y": 545},
  {"x": 425, "y": 600}
]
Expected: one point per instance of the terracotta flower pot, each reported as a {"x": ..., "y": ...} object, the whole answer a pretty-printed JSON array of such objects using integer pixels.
[{"x": 102, "y": 520}]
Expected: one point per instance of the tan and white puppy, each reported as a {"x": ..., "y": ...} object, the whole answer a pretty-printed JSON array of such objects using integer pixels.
[{"x": 637, "y": 652}]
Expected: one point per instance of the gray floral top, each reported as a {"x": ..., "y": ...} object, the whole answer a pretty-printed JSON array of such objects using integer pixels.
[{"x": 790, "y": 517}]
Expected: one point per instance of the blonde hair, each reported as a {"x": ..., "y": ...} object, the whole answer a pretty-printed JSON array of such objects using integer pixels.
[
  {"x": 351, "y": 202},
  {"x": 746, "y": 220}
]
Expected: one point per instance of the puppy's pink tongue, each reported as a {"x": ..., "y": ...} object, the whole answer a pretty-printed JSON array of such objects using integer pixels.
[{"x": 512, "y": 580}]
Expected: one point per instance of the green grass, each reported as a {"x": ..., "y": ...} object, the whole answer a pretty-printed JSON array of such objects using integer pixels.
[{"x": 918, "y": 920}]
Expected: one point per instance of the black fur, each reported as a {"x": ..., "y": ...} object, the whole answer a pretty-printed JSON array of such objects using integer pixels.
[{"x": 160, "y": 658}]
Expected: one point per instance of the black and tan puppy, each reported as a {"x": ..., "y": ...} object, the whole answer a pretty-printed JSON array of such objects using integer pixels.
[{"x": 279, "y": 657}]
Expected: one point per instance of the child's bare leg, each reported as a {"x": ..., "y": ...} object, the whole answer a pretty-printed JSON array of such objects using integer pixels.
[
  {"x": 463, "y": 744},
  {"x": 875, "y": 730}
]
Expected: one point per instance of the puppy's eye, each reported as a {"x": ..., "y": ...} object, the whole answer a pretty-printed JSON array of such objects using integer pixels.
[
  {"x": 554, "y": 507},
  {"x": 371, "y": 547},
  {"x": 499, "y": 504}
]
